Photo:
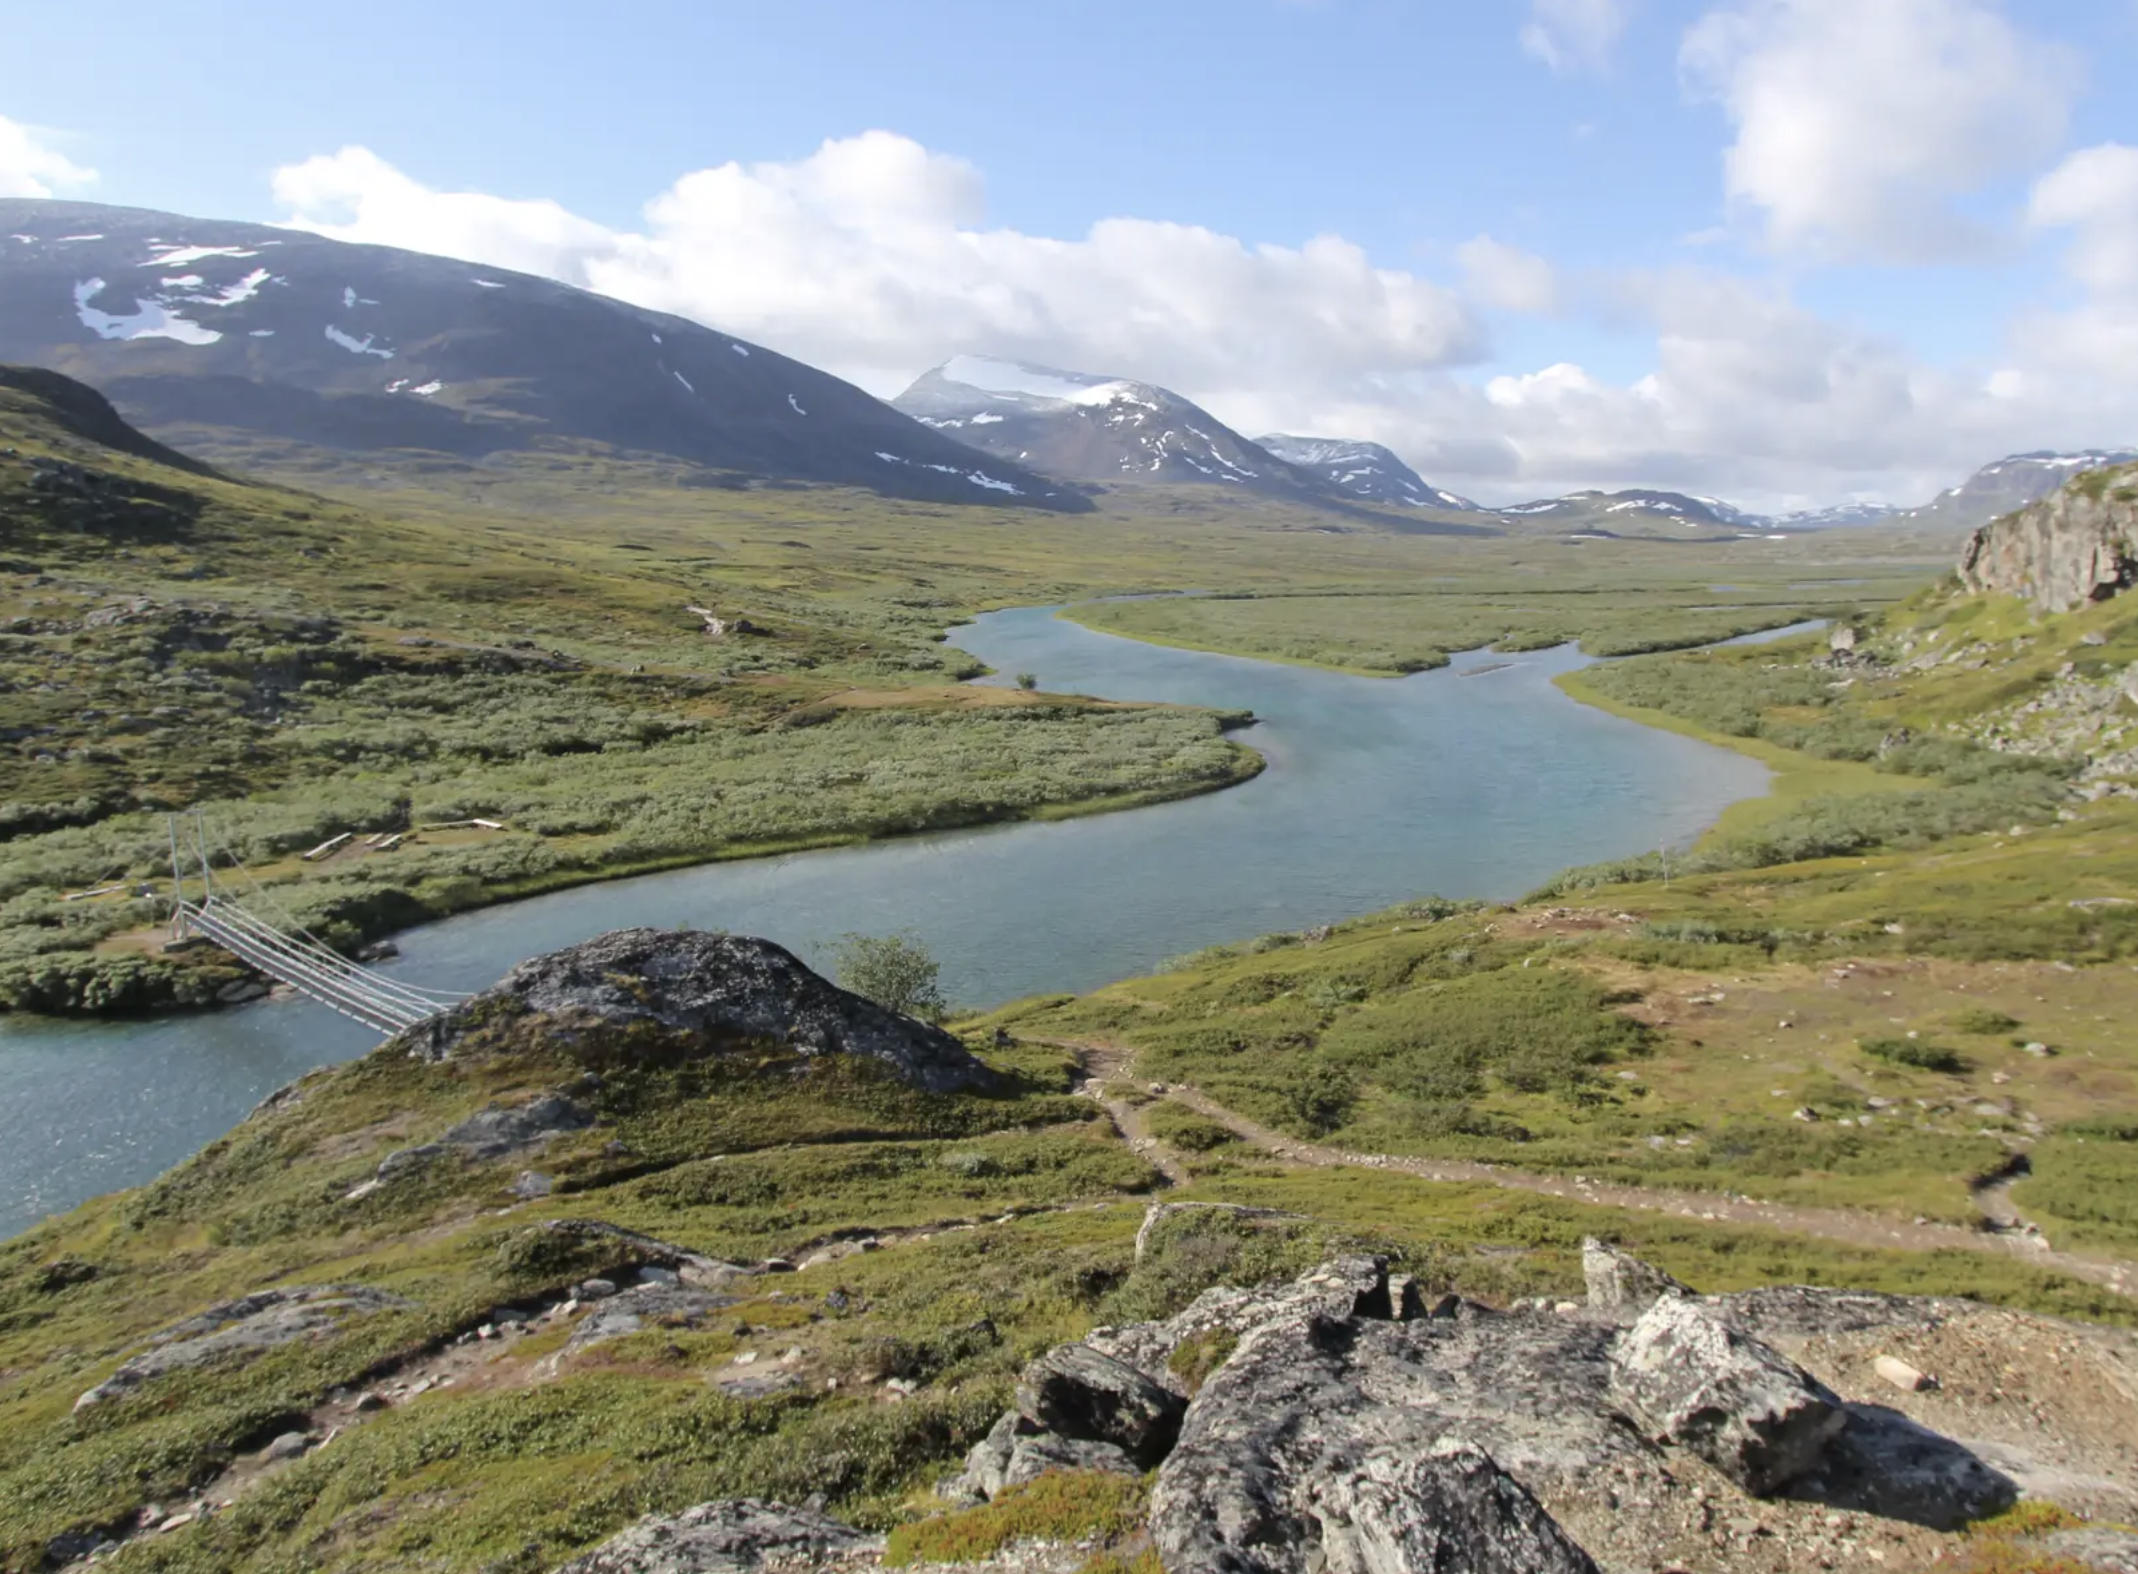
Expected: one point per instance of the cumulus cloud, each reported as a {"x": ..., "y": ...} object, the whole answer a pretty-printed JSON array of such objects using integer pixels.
[
  {"x": 31, "y": 167},
  {"x": 1858, "y": 126},
  {"x": 1574, "y": 35},
  {"x": 2094, "y": 193},
  {"x": 1508, "y": 277},
  {"x": 872, "y": 258}
]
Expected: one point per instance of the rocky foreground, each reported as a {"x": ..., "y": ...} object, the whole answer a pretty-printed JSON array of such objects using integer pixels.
[{"x": 1338, "y": 1423}]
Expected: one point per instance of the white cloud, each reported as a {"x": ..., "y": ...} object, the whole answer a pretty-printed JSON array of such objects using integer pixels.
[
  {"x": 871, "y": 258},
  {"x": 30, "y": 167},
  {"x": 1861, "y": 122},
  {"x": 1508, "y": 277},
  {"x": 2094, "y": 193},
  {"x": 1574, "y": 35},
  {"x": 2090, "y": 349}
]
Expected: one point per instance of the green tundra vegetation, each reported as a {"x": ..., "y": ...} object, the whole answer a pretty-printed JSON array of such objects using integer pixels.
[
  {"x": 412, "y": 645},
  {"x": 1862, "y": 993},
  {"x": 1866, "y": 991},
  {"x": 1003, "y": 1224}
]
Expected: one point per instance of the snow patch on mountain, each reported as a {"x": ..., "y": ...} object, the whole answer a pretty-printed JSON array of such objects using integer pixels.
[
  {"x": 150, "y": 319},
  {"x": 179, "y": 256},
  {"x": 356, "y": 346}
]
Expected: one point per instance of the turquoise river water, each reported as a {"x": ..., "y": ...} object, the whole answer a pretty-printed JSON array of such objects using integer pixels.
[{"x": 1460, "y": 782}]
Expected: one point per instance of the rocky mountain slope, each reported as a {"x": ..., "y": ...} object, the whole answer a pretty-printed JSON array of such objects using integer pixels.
[
  {"x": 1086, "y": 427},
  {"x": 241, "y": 330},
  {"x": 1366, "y": 471},
  {"x": 2010, "y": 483}
]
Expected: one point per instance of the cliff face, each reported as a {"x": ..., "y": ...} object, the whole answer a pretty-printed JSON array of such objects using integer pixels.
[{"x": 2077, "y": 545}]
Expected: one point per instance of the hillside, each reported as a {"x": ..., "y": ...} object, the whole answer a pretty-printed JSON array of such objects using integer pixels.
[
  {"x": 663, "y": 1248},
  {"x": 228, "y": 336},
  {"x": 299, "y": 668}
]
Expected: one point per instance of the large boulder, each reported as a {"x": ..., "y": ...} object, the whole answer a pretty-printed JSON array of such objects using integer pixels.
[
  {"x": 643, "y": 992},
  {"x": 1685, "y": 1376},
  {"x": 1449, "y": 1510},
  {"x": 1076, "y": 1392},
  {"x": 734, "y": 1536},
  {"x": 2076, "y": 545}
]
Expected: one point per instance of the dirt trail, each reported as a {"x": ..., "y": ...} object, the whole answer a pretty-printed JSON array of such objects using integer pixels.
[{"x": 2008, "y": 1237}]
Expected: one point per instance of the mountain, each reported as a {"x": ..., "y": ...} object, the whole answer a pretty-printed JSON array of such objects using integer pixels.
[
  {"x": 243, "y": 331},
  {"x": 2011, "y": 483},
  {"x": 1366, "y": 471},
  {"x": 1085, "y": 427},
  {"x": 1637, "y": 512},
  {"x": 1840, "y": 517}
]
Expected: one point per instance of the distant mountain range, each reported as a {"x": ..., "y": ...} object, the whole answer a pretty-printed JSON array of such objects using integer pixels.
[
  {"x": 196, "y": 328},
  {"x": 221, "y": 335},
  {"x": 1083, "y": 426}
]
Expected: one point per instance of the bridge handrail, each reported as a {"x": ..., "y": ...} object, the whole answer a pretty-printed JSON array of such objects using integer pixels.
[
  {"x": 331, "y": 961},
  {"x": 374, "y": 1008}
]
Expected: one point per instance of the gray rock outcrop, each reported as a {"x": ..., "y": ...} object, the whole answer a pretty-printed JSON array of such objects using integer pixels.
[
  {"x": 1621, "y": 1284},
  {"x": 1327, "y": 1426},
  {"x": 734, "y": 1536},
  {"x": 1685, "y": 1376},
  {"x": 1448, "y": 1508},
  {"x": 238, "y": 1330},
  {"x": 1078, "y": 1393},
  {"x": 2077, "y": 545},
  {"x": 636, "y": 992}
]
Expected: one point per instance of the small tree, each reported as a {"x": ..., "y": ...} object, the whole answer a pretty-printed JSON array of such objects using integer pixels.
[
  {"x": 1028, "y": 681},
  {"x": 895, "y": 971}
]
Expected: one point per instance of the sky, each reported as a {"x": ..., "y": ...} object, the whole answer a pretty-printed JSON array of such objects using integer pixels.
[{"x": 1788, "y": 252}]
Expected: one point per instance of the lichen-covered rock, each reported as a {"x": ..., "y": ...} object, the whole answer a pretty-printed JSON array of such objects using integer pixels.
[
  {"x": 1449, "y": 1510},
  {"x": 1032, "y": 1457},
  {"x": 1078, "y": 1393},
  {"x": 734, "y": 1536},
  {"x": 1621, "y": 1283},
  {"x": 238, "y": 1330},
  {"x": 2076, "y": 545},
  {"x": 1684, "y": 1375},
  {"x": 636, "y": 991}
]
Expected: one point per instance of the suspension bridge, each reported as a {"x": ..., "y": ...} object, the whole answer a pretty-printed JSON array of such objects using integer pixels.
[{"x": 285, "y": 950}]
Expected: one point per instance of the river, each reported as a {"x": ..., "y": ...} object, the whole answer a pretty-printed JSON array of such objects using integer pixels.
[{"x": 1462, "y": 782}]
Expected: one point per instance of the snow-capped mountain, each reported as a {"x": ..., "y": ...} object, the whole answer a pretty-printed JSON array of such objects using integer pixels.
[
  {"x": 1840, "y": 517},
  {"x": 218, "y": 334},
  {"x": 1085, "y": 427},
  {"x": 1997, "y": 489},
  {"x": 1366, "y": 471},
  {"x": 1638, "y": 511}
]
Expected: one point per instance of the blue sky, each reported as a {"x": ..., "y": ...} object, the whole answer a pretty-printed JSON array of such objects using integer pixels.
[{"x": 1787, "y": 250}]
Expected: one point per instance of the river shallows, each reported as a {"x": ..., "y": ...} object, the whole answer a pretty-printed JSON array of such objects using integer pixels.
[{"x": 1378, "y": 791}]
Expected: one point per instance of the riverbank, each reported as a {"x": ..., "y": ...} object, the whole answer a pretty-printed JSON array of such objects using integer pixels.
[
  {"x": 1795, "y": 777},
  {"x": 127, "y": 975}
]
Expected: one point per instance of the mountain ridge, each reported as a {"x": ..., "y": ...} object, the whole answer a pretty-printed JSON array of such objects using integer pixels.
[{"x": 219, "y": 327}]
